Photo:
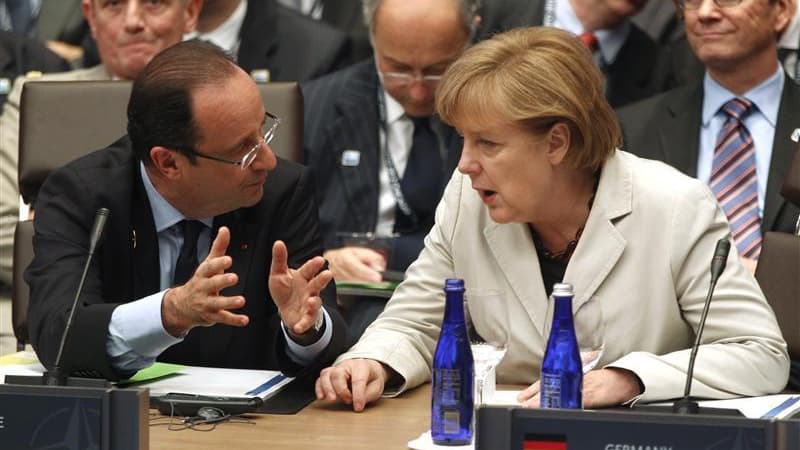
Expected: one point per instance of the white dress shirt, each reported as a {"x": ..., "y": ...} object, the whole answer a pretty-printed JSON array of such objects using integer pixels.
[
  {"x": 226, "y": 35},
  {"x": 396, "y": 138},
  {"x": 609, "y": 41}
]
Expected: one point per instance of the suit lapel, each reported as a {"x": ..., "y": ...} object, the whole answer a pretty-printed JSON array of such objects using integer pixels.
[
  {"x": 144, "y": 242},
  {"x": 513, "y": 250},
  {"x": 679, "y": 136},
  {"x": 243, "y": 235},
  {"x": 782, "y": 151},
  {"x": 355, "y": 127},
  {"x": 601, "y": 244}
]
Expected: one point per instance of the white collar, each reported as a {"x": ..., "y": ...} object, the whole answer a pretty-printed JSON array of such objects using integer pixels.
[{"x": 226, "y": 35}]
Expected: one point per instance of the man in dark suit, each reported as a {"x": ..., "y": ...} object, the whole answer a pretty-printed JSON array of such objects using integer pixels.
[
  {"x": 194, "y": 268},
  {"x": 372, "y": 142},
  {"x": 20, "y": 55},
  {"x": 273, "y": 42},
  {"x": 345, "y": 15},
  {"x": 737, "y": 45},
  {"x": 627, "y": 56}
]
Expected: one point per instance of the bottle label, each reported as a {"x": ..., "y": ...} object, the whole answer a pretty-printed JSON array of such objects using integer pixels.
[
  {"x": 452, "y": 421},
  {"x": 448, "y": 388},
  {"x": 550, "y": 385}
]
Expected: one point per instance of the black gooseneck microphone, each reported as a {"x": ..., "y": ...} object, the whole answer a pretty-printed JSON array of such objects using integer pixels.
[
  {"x": 56, "y": 377},
  {"x": 686, "y": 405}
]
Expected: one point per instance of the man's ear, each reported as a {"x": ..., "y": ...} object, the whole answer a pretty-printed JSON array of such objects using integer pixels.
[
  {"x": 559, "y": 139},
  {"x": 165, "y": 162},
  {"x": 88, "y": 13},
  {"x": 785, "y": 15}
]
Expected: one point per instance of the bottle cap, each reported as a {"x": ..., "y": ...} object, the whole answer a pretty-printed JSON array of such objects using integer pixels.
[
  {"x": 562, "y": 289},
  {"x": 454, "y": 284}
]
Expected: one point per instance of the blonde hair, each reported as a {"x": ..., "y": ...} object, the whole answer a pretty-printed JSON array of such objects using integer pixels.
[{"x": 534, "y": 77}]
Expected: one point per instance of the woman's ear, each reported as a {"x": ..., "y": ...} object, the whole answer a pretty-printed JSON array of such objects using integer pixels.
[{"x": 558, "y": 142}]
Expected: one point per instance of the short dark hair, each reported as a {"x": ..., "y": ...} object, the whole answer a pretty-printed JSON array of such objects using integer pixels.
[{"x": 160, "y": 106}]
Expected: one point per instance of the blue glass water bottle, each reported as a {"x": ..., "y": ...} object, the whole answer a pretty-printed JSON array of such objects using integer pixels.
[
  {"x": 561, "y": 379},
  {"x": 453, "y": 372}
]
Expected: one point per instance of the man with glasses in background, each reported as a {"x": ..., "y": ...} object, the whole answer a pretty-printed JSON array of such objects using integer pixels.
[
  {"x": 379, "y": 156},
  {"x": 128, "y": 34},
  {"x": 732, "y": 128},
  {"x": 212, "y": 250}
]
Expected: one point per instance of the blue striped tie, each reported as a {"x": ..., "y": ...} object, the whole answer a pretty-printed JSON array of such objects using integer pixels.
[{"x": 733, "y": 178}]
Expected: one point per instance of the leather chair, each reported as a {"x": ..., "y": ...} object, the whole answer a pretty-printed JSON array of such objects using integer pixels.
[
  {"x": 51, "y": 135},
  {"x": 778, "y": 274},
  {"x": 23, "y": 255}
]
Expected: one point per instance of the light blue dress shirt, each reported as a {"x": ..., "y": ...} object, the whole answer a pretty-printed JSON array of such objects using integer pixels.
[
  {"x": 760, "y": 123},
  {"x": 136, "y": 332}
]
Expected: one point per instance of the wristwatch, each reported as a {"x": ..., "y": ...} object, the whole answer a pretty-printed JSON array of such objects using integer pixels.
[
  {"x": 312, "y": 334},
  {"x": 320, "y": 320}
]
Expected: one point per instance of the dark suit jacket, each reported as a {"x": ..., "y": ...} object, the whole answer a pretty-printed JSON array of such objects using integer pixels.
[
  {"x": 667, "y": 128},
  {"x": 348, "y": 16},
  {"x": 19, "y": 55},
  {"x": 636, "y": 73},
  {"x": 126, "y": 265},
  {"x": 290, "y": 45},
  {"x": 341, "y": 113}
]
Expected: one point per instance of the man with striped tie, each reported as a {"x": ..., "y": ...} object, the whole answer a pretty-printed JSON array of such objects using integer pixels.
[{"x": 732, "y": 129}]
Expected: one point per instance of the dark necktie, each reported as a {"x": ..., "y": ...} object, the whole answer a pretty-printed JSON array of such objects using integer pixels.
[
  {"x": 422, "y": 179},
  {"x": 187, "y": 259},
  {"x": 733, "y": 178}
]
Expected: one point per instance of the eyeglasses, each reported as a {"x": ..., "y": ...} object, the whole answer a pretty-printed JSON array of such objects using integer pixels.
[
  {"x": 695, "y": 4},
  {"x": 404, "y": 79},
  {"x": 271, "y": 123}
]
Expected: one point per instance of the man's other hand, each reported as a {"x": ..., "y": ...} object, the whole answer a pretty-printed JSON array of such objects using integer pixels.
[
  {"x": 356, "y": 264},
  {"x": 198, "y": 303},
  {"x": 296, "y": 292}
]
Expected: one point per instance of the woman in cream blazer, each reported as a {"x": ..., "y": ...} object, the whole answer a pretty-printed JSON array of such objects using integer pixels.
[{"x": 539, "y": 166}]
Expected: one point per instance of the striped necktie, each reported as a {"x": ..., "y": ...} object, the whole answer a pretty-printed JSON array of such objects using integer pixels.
[{"x": 733, "y": 178}]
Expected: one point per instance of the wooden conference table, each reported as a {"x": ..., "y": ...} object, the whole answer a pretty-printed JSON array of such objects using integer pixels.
[{"x": 387, "y": 424}]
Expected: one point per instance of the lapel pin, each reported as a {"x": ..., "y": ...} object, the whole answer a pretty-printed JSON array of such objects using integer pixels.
[
  {"x": 260, "y": 76},
  {"x": 796, "y": 135},
  {"x": 243, "y": 246},
  {"x": 351, "y": 158}
]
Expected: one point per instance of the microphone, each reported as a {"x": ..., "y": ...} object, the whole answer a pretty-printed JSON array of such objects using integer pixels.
[
  {"x": 686, "y": 405},
  {"x": 56, "y": 377}
]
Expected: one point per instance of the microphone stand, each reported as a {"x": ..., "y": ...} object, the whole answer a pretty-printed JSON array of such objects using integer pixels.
[{"x": 57, "y": 376}]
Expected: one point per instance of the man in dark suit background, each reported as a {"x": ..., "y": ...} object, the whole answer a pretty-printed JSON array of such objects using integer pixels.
[
  {"x": 629, "y": 59},
  {"x": 345, "y": 15},
  {"x": 372, "y": 141},
  {"x": 195, "y": 185},
  {"x": 737, "y": 45},
  {"x": 20, "y": 55},
  {"x": 271, "y": 41}
]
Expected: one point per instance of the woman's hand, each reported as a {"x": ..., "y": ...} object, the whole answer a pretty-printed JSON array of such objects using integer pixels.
[{"x": 601, "y": 388}]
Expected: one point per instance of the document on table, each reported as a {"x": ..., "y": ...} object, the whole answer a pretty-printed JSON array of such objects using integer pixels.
[
  {"x": 779, "y": 406},
  {"x": 164, "y": 378},
  {"x": 219, "y": 382}
]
